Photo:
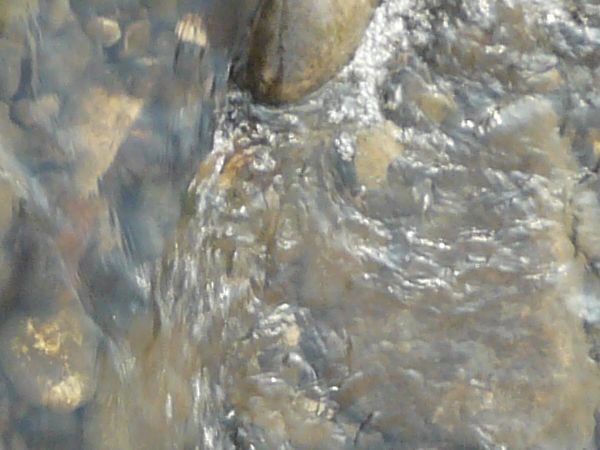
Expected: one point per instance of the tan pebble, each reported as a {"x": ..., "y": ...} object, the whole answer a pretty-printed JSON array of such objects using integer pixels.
[
  {"x": 546, "y": 82},
  {"x": 376, "y": 149},
  {"x": 437, "y": 107},
  {"x": 136, "y": 39},
  {"x": 103, "y": 30}
]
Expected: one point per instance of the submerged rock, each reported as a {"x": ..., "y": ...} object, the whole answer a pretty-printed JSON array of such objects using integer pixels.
[
  {"x": 103, "y": 30},
  {"x": 95, "y": 127},
  {"x": 10, "y": 68},
  {"x": 136, "y": 39},
  {"x": 51, "y": 360},
  {"x": 376, "y": 148},
  {"x": 297, "y": 46},
  {"x": 63, "y": 58}
]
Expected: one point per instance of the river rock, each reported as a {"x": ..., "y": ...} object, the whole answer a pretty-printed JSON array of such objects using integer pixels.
[
  {"x": 136, "y": 39},
  {"x": 11, "y": 136},
  {"x": 51, "y": 360},
  {"x": 63, "y": 58},
  {"x": 96, "y": 125},
  {"x": 376, "y": 148},
  {"x": 10, "y": 68},
  {"x": 103, "y": 30},
  {"x": 41, "y": 111},
  {"x": 7, "y": 204},
  {"x": 14, "y": 17},
  {"x": 298, "y": 45},
  {"x": 55, "y": 14}
]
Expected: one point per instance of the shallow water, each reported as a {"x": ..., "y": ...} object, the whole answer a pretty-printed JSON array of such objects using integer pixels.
[{"x": 407, "y": 259}]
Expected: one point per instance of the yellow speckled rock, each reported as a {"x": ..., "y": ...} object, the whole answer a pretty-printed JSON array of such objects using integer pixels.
[
  {"x": 298, "y": 45},
  {"x": 51, "y": 360}
]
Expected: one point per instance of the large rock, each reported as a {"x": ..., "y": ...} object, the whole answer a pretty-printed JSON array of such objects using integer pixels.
[
  {"x": 298, "y": 45},
  {"x": 51, "y": 360},
  {"x": 96, "y": 125}
]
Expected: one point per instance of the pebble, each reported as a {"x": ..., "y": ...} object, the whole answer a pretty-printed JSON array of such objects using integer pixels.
[
  {"x": 297, "y": 45},
  {"x": 136, "y": 39},
  {"x": 14, "y": 16},
  {"x": 7, "y": 205},
  {"x": 55, "y": 14},
  {"x": 10, "y": 68},
  {"x": 436, "y": 106},
  {"x": 376, "y": 148},
  {"x": 546, "y": 82},
  {"x": 5, "y": 274},
  {"x": 11, "y": 136},
  {"x": 41, "y": 111},
  {"x": 103, "y": 30},
  {"x": 162, "y": 11},
  {"x": 50, "y": 360}
]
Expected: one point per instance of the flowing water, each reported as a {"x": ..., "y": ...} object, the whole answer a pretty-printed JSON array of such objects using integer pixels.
[{"x": 406, "y": 259}]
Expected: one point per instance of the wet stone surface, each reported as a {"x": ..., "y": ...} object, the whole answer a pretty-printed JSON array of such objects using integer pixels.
[{"x": 403, "y": 254}]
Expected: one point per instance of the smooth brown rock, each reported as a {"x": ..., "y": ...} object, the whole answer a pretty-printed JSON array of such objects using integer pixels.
[{"x": 298, "y": 45}]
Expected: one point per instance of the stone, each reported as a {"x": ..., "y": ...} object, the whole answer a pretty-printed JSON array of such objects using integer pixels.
[
  {"x": 376, "y": 148},
  {"x": 136, "y": 39},
  {"x": 14, "y": 16},
  {"x": 11, "y": 136},
  {"x": 41, "y": 111},
  {"x": 155, "y": 392},
  {"x": 63, "y": 59},
  {"x": 528, "y": 132},
  {"x": 11, "y": 54},
  {"x": 546, "y": 82},
  {"x": 162, "y": 10},
  {"x": 50, "y": 360},
  {"x": 55, "y": 14},
  {"x": 7, "y": 204},
  {"x": 5, "y": 273},
  {"x": 103, "y": 30},
  {"x": 436, "y": 106},
  {"x": 97, "y": 124},
  {"x": 298, "y": 45}
]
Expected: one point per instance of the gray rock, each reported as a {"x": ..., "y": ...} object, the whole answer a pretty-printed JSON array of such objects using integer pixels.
[
  {"x": 10, "y": 68},
  {"x": 298, "y": 45}
]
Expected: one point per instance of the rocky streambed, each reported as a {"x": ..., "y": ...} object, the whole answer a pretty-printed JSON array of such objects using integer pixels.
[{"x": 263, "y": 247}]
